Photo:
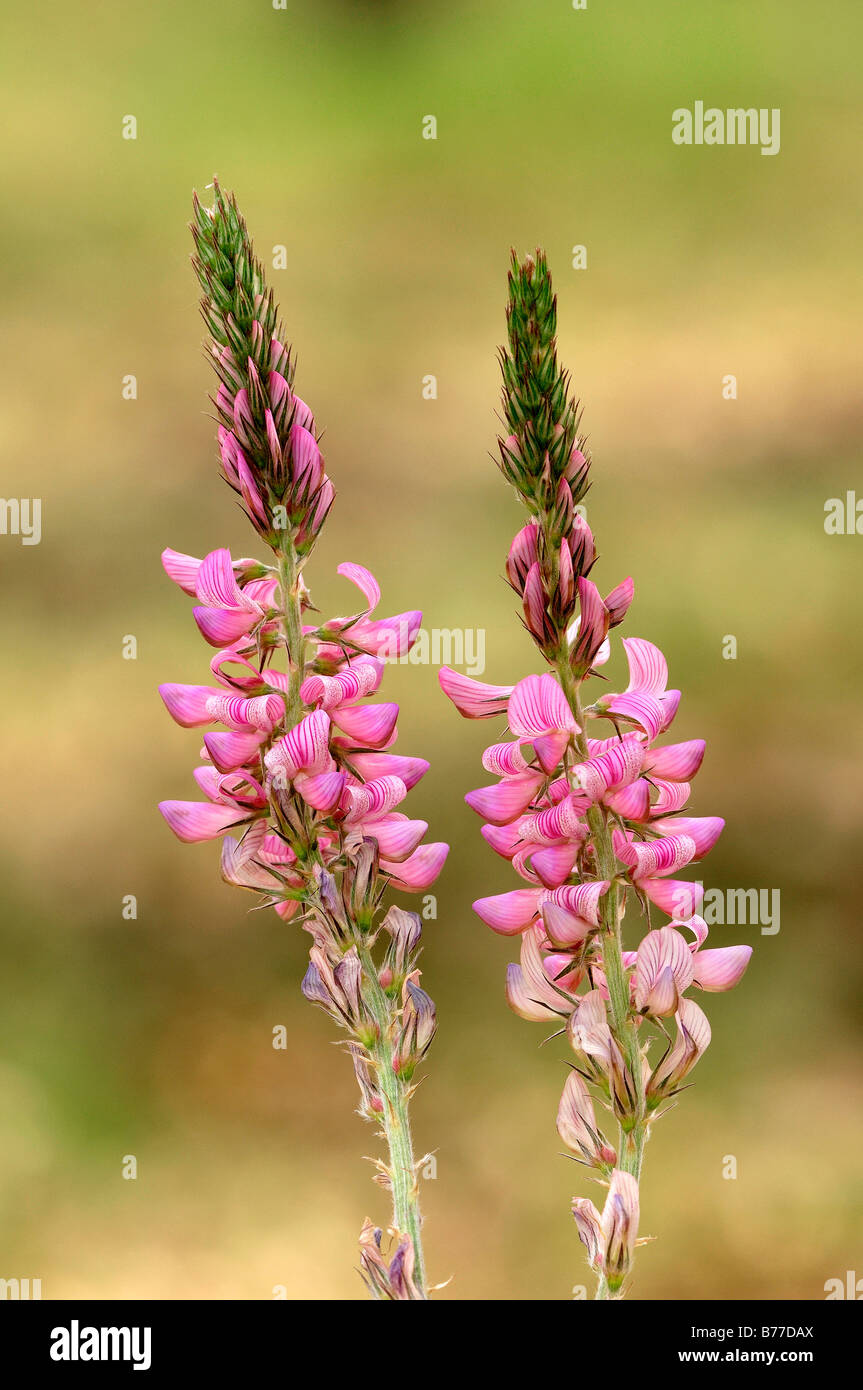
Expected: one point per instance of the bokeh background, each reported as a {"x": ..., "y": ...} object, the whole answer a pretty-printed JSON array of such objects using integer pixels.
[{"x": 153, "y": 1037}]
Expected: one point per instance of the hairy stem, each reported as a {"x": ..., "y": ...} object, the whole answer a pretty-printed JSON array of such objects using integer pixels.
[{"x": 395, "y": 1120}]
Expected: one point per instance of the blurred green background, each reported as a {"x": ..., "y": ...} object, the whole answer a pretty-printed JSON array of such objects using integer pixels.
[{"x": 153, "y": 1037}]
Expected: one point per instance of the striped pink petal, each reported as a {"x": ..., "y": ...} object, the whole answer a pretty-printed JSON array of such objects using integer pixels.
[
  {"x": 563, "y": 928},
  {"x": 359, "y": 679},
  {"x": 721, "y": 968},
  {"x": 473, "y": 699},
  {"x": 192, "y": 821},
  {"x": 644, "y": 710},
  {"x": 582, "y": 899},
  {"x": 372, "y": 799},
  {"x": 663, "y": 970},
  {"x": 654, "y": 858},
  {"x": 504, "y": 759},
  {"x": 672, "y": 796},
  {"x": 615, "y": 768},
  {"x": 304, "y": 748},
  {"x": 537, "y": 705},
  {"x": 260, "y": 712},
  {"x": 509, "y": 913},
  {"x": 217, "y": 585},
  {"x": 619, "y": 600},
  {"x": 670, "y": 703},
  {"x": 648, "y": 669},
  {"x": 529, "y": 991},
  {"x": 372, "y": 726},
  {"x": 560, "y": 822},
  {"x": 507, "y": 799}
]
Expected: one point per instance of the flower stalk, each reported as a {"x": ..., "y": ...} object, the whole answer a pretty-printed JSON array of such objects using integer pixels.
[
  {"x": 299, "y": 767},
  {"x": 594, "y": 825}
]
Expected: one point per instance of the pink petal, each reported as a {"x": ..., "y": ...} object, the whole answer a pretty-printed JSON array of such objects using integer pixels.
[
  {"x": 304, "y": 748},
  {"x": 217, "y": 585},
  {"x": 321, "y": 790},
  {"x": 365, "y": 582},
  {"x": 222, "y": 626},
  {"x": 371, "y": 765},
  {"x": 549, "y": 749},
  {"x": 504, "y": 759},
  {"x": 648, "y": 669},
  {"x": 183, "y": 569},
  {"x": 704, "y": 831},
  {"x": 369, "y": 725},
  {"x": 360, "y": 679},
  {"x": 397, "y": 837},
  {"x": 674, "y": 895},
  {"x": 643, "y": 709},
  {"x": 509, "y": 913},
  {"x": 721, "y": 968},
  {"x": 632, "y": 802},
  {"x": 554, "y": 865},
  {"x": 192, "y": 821},
  {"x": 652, "y": 858},
  {"x": 420, "y": 869},
  {"x": 504, "y": 839},
  {"x": 473, "y": 699},
  {"x": 663, "y": 970},
  {"x": 388, "y": 638},
  {"x": 373, "y": 799},
  {"x": 503, "y": 802},
  {"x": 187, "y": 704},
  {"x": 233, "y": 750},
  {"x": 676, "y": 762}
]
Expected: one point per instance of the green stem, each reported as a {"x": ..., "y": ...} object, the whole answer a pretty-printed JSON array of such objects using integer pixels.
[
  {"x": 396, "y": 1124},
  {"x": 289, "y": 578}
]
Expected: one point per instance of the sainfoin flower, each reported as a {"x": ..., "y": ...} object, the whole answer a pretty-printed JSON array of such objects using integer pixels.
[
  {"x": 591, "y": 807},
  {"x": 296, "y": 770}
]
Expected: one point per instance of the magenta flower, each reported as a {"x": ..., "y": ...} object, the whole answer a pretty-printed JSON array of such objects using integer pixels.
[
  {"x": 297, "y": 765},
  {"x": 591, "y": 807}
]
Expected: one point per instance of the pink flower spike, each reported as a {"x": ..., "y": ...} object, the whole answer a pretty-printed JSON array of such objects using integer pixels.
[
  {"x": 371, "y": 726},
  {"x": 720, "y": 969},
  {"x": 503, "y": 802},
  {"x": 420, "y": 869},
  {"x": 193, "y": 821},
  {"x": 182, "y": 569},
  {"x": 509, "y": 913},
  {"x": 474, "y": 699}
]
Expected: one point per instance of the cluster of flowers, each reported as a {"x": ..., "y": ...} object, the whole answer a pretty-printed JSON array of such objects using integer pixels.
[
  {"x": 588, "y": 821},
  {"x": 299, "y": 763}
]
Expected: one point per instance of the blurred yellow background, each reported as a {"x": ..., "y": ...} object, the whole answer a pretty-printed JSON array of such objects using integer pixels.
[{"x": 153, "y": 1037}]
